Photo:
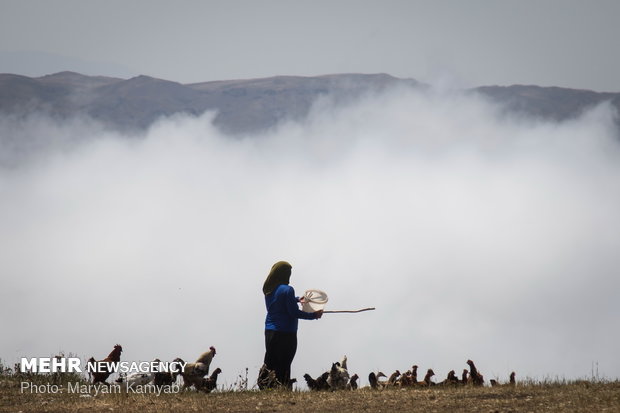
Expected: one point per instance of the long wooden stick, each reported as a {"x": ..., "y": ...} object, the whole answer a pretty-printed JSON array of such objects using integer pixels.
[{"x": 349, "y": 311}]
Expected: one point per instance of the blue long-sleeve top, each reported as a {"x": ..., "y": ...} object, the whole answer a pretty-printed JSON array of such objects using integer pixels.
[{"x": 283, "y": 311}]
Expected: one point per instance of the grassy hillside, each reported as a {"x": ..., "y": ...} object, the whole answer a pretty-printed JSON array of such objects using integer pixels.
[{"x": 582, "y": 396}]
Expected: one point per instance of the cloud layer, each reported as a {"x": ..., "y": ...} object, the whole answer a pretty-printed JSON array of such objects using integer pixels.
[{"x": 475, "y": 235}]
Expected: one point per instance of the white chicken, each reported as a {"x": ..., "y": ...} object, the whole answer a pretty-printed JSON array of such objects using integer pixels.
[{"x": 135, "y": 379}]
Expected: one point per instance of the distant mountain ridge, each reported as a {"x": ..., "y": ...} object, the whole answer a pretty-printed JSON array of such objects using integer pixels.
[
  {"x": 552, "y": 103},
  {"x": 244, "y": 105}
]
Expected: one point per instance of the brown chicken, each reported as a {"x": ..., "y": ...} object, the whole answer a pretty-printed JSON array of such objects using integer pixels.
[
  {"x": 475, "y": 377},
  {"x": 451, "y": 379},
  {"x": 427, "y": 379}
]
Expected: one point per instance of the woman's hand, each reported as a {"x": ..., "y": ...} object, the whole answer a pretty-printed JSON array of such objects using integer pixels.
[{"x": 318, "y": 314}]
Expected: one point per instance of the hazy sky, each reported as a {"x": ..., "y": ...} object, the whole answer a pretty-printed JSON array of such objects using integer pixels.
[{"x": 564, "y": 43}]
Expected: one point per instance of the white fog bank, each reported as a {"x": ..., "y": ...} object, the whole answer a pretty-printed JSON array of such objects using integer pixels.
[{"x": 475, "y": 235}]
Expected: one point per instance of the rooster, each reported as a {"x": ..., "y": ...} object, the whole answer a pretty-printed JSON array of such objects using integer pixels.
[
  {"x": 206, "y": 357},
  {"x": 193, "y": 373},
  {"x": 100, "y": 372}
]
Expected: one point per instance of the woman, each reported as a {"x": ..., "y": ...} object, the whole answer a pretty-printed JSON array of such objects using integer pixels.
[{"x": 281, "y": 321}]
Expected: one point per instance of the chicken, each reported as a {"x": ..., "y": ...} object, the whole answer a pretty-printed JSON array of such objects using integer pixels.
[
  {"x": 193, "y": 373},
  {"x": 409, "y": 378},
  {"x": 206, "y": 357},
  {"x": 338, "y": 376},
  {"x": 135, "y": 379},
  {"x": 475, "y": 377},
  {"x": 464, "y": 376},
  {"x": 405, "y": 380},
  {"x": 451, "y": 379},
  {"x": 321, "y": 381},
  {"x": 166, "y": 378},
  {"x": 393, "y": 377},
  {"x": 373, "y": 379},
  {"x": 427, "y": 379},
  {"x": 101, "y": 370},
  {"x": 352, "y": 385},
  {"x": 511, "y": 382},
  {"x": 414, "y": 374},
  {"x": 210, "y": 383},
  {"x": 312, "y": 383},
  {"x": 266, "y": 378}
]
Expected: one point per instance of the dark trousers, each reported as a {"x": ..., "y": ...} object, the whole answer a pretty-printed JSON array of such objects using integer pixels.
[{"x": 280, "y": 349}]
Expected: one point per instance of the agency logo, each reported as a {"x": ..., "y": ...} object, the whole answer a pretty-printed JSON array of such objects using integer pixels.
[{"x": 75, "y": 365}]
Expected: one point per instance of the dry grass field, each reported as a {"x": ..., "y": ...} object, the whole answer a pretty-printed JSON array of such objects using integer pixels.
[{"x": 582, "y": 396}]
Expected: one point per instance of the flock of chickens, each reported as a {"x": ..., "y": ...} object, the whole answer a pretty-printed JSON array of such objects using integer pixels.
[
  {"x": 337, "y": 378},
  {"x": 193, "y": 374}
]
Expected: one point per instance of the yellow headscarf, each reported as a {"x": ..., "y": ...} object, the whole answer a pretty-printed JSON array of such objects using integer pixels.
[{"x": 280, "y": 274}]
